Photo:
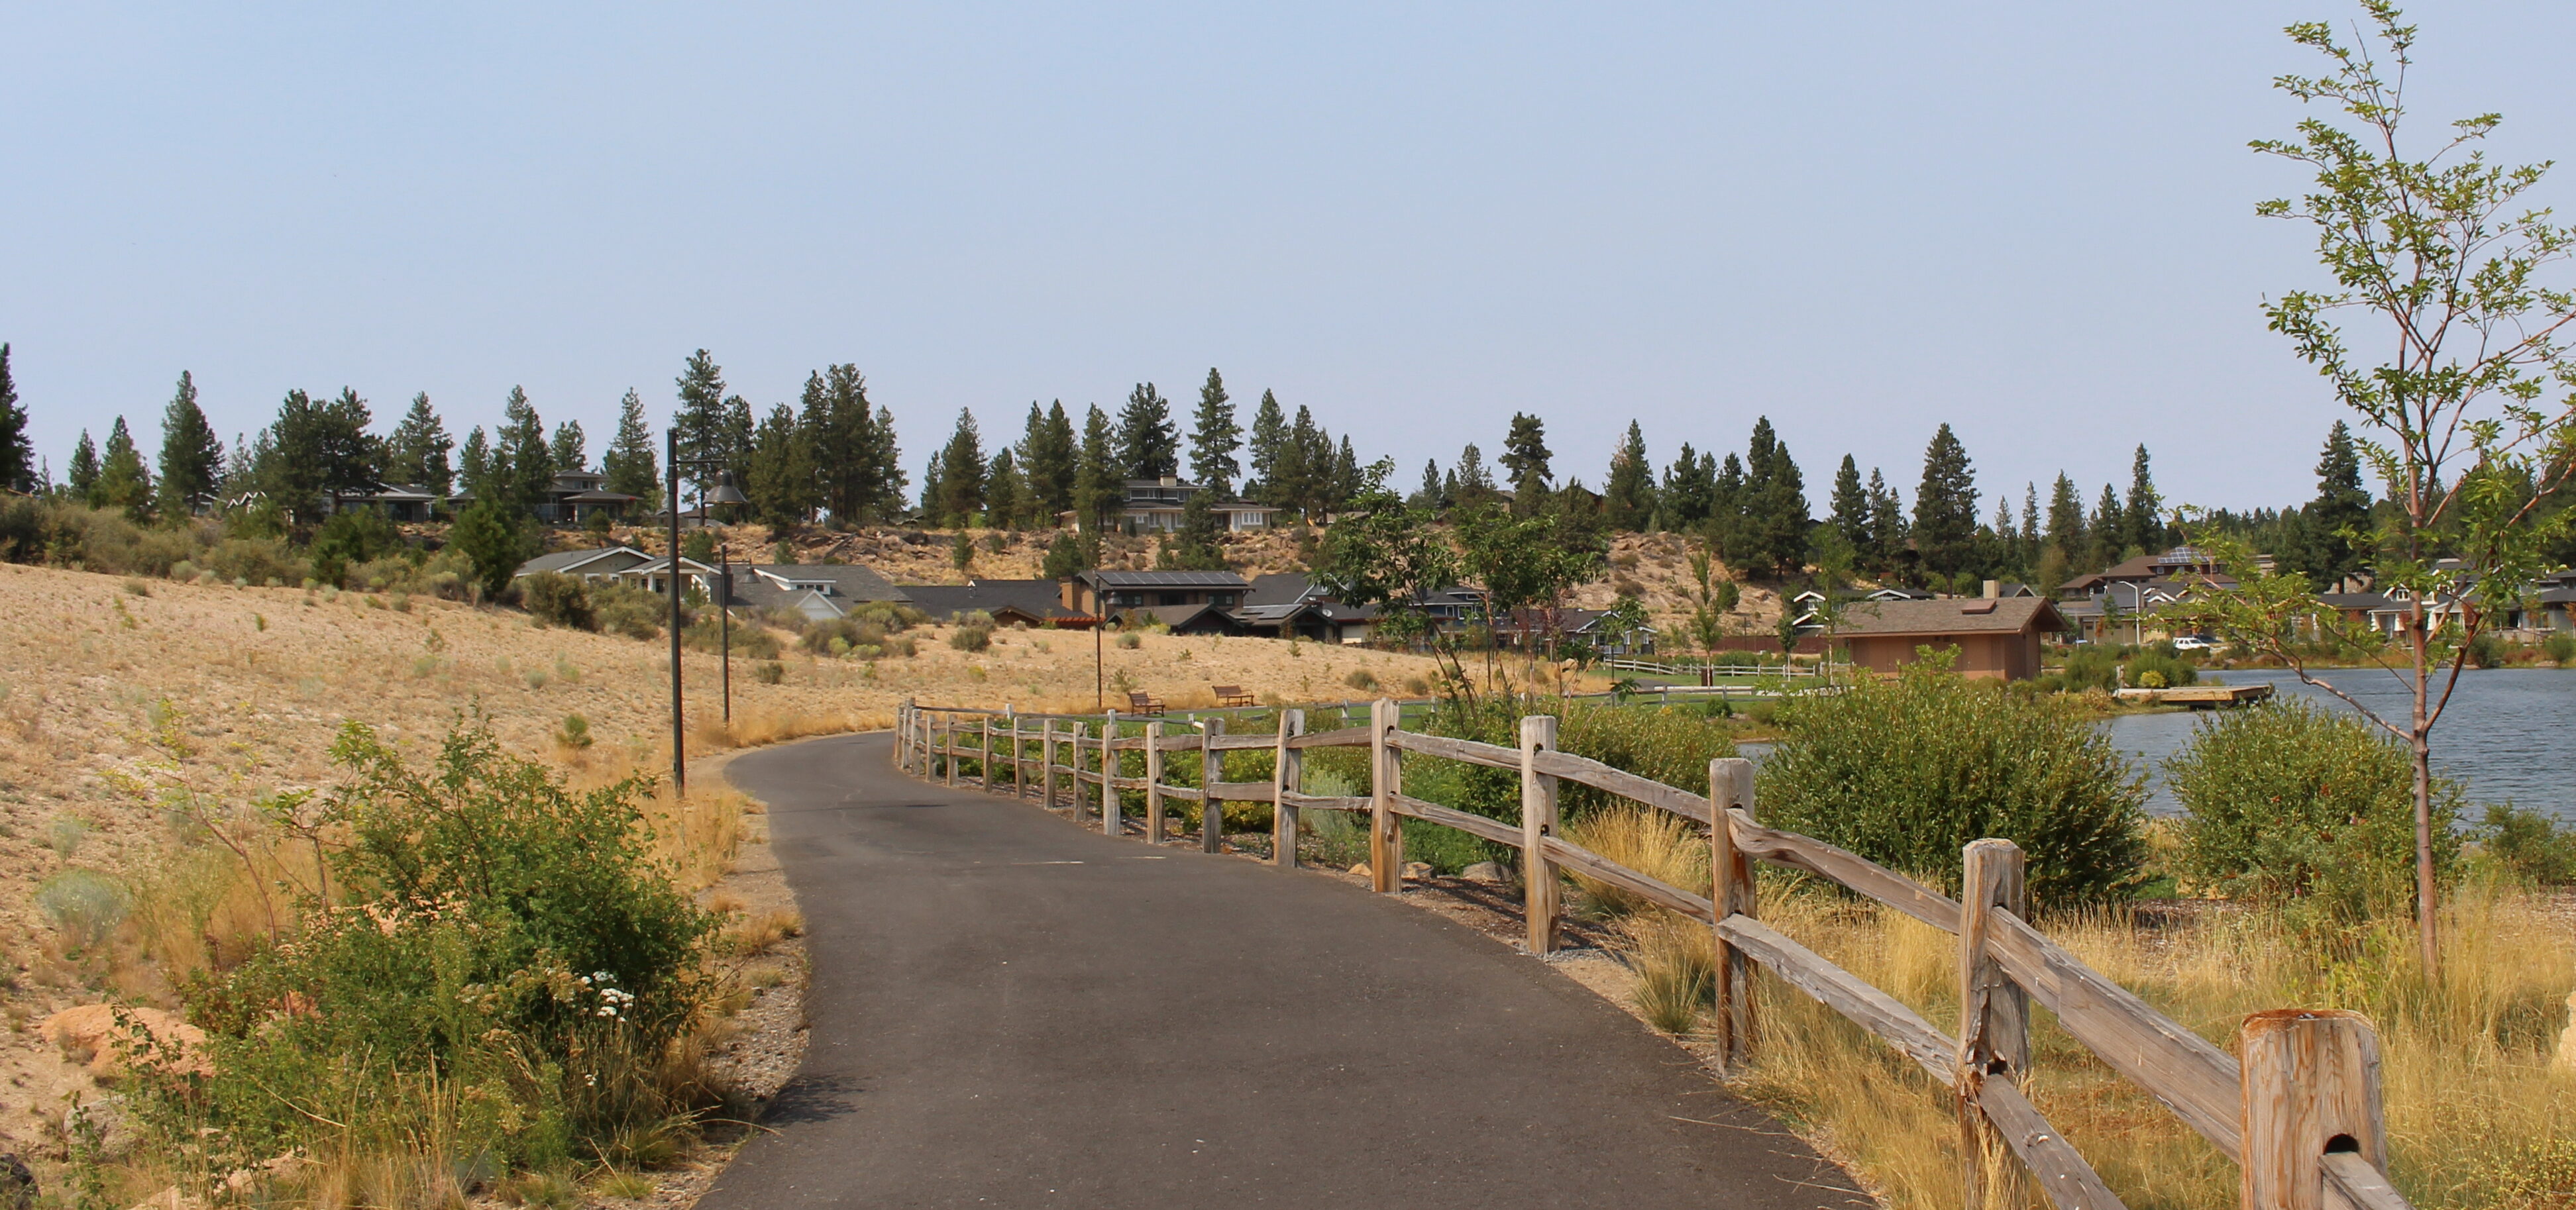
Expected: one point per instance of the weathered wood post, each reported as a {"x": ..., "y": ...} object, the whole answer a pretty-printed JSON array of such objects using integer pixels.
[
  {"x": 1386, "y": 780},
  {"x": 1154, "y": 782},
  {"x": 1073, "y": 771},
  {"x": 984, "y": 764},
  {"x": 1730, "y": 789},
  {"x": 1994, "y": 1012},
  {"x": 1109, "y": 776},
  {"x": 1539, "y": 884},
  {"x": 1011, "y": 736},
  {"x": 2311, "y": 1095},
  {"x": 1046, "y": 763},
  {"x": 945, "y": 736},
  {"x": 1287, "y": 776},
  {"x": 1211, "y": 771}
]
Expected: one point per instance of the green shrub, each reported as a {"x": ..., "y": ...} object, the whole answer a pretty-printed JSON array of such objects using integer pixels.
[
  {"x": 2163, "y": 662},
  {"x": 2091, "y": 667},
  {"x": 2530, "y": 846},
  {"x": 349, "y": 537},
  {"x": 495, "y": 933},
  {"x": 630, "y": 611},
  {"x": 2560, "y": 647},
  {"x": 84, "y": 904},
  {"x": 255, "y": 561},
  {"x": 556, "y": 599},
  {"x": 2290, "y": 799},
  {"x": 1360, "y": 678},
  {"x": 2487, "y": 650},
  {"x": 575, "y": 732},
  {"x": 770, "y": 672},
  {"x": 971, "y": 638},
  {"x": 1129, "y": 641},
  {"x": 1907, "y": 772},
  {"x": 706, "y": 632}
]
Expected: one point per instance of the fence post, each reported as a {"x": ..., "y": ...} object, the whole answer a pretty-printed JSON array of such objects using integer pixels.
[
  {"x": 1994, "y": 1012},
  {"x": 903, "y": 736},
  {"x": 1046, "y": 763},
  {"x": 1019, "y": 784},
  {"x": 1211, "y": 771},
  {"x": 2311, "y": 1087},
  {"x": 1154, "y": 782},
  {"x": 1539, "y": 887},
  {"x": 1730, "y": 788},
  {"x": 1287, "y": 776},
  {"x": 1109, "y": 775},
  {"x": 984, "y": 769},
  {"x": 1073, "y": 770},
  {"x": 1386, "y": 780}
]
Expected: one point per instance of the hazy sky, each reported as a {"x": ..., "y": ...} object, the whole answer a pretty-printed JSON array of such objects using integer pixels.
[{"x": 2033, "y": 221}]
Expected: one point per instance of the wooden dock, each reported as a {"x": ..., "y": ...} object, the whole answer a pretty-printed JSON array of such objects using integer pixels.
[{"x": 2199, "y": 697}]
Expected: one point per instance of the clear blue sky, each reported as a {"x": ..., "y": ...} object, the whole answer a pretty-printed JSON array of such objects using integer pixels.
[{"x": 2034, "y": 221}]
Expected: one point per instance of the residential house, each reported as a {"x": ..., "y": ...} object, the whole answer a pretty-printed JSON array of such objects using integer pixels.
[
  {"x": 819, "y": 591},
  {"x": 575, "y": 495},
  {"x": 1154, "y": 506},
  {"x": 1996, "y": 637},
  {"x": 1027, "y": 602},
  {"x": 2120, "y": 604},
  {"x": 399, "y": 502},
  {"x": 1104, "y": 593},
  {"x": 596, "y": 565},
  {"x": 1291, "y": 605}
]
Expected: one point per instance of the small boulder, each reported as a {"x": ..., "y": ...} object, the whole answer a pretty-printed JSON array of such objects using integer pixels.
[
  {"x": 17, "y": 1184},
  {"x": 1419, "y": 871},
  {"x": 1486, "y": 872},
  {"x": 1361, "y": 869},
  {"x": 90, "y": 1034}
]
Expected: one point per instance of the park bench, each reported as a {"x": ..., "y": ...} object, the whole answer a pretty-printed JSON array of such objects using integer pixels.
[
  {"x": 1231, "y": 695},
  {"x": 1141, "y": 702}
]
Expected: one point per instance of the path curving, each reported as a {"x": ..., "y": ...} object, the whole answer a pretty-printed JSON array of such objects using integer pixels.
[{"x": 1010, "y": 1011}]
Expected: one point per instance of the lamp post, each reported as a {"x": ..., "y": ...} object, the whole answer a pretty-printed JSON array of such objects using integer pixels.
[{"x": 725, "y": 493}]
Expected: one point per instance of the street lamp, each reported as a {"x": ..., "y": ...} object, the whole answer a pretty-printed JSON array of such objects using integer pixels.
[{"x": 724, "y": 493}]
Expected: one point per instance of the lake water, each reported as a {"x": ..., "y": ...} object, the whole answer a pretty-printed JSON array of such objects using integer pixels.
[{"x": 2510, "y": 733}]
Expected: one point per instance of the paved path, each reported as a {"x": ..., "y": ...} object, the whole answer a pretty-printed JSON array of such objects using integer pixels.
[{"x": 1010, "y": 1011}]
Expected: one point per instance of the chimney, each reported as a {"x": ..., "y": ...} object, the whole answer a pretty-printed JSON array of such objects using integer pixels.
[
  {"x": 1171, "y": 481},
  {"x": 1994, "y": 589}
]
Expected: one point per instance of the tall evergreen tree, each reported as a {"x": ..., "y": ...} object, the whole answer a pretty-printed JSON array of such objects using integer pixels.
[
  {"x": 2146, "y": 511},
  {"x": 1775, "y": 526},
  {"x": 569, "y": 449},
  {"x": 701, "y": 420},
  {"x": 417, "y": 453},
  {"x": 123, "y": 483},
  {"x": 522, "y": 463},
  {"x": 1628, "y": 493},
  {"x": 840, "y": 437},
  {"x": 1525, "y": 458},
  {"x": 1099, "y": 491},
  {"x": 318, "y": 451},
  {"x": 1945, "y": 507},
  {"x": 474, "y": 463},
  {"x": 2341, "y": 505},
  {"x": 1850, "y": 517},
  {"x": 782, "y": 483},
  {"x": 630, "y": 466},
  {"x": 1690, "y": 489},
  {"x": 1148, "y": 447},
  {"x": 2066, "y": 521},
  {"x": 1214, "y": 437},
  {"x": 1726, "y": 510},
  {"x": 1348, "y": 477},
  {"x": 1006, "y": 493},
  {"x": 2109, "y": 529},
  {"x": 17, "y": 452},
  {"x": 1432, "y": 496},
  {"x": 1890, "y": 539},
  {"x": 192, "y": 456},
  {"x": 885, "y": 462},
  {"x": 1048, "y": 461},
  {"x": 961, "y": 475},
  {"x": 81, "y": 475},
  {"x": 1269, "y": 441},
  {"x": 2029, "y": 538}
]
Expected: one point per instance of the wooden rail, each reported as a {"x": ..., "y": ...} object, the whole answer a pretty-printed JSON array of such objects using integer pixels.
[{"x": 2300, "y": 1114}]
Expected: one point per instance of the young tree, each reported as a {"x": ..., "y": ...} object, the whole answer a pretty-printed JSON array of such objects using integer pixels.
[
  {"x": 569, "y": 450},
  {"x": 1269, "y": 444},
  {"x": 1525, "y": 459},
  {"x": 1628, "y": 494},
  {"x": 1945, "y": 507},
  {"x": 1475, "y": 484},
  {"x": 630, "y": 466},
  {"x": 1381, "y": 554},
  {"x": 416, "y": 453},
  {"x": 192, "y": 456},
  {"x": 1048, "y": 461},
  {"x": 1713, "y": 597},
  {"x": 123, "y": 483},
  {"x": 1199, "y": 543},
  {"x": 2146, "y": 508},
  {"x": 17, "y": 453},
  {"x": 1214, "y": 437},
  {"x": 1148, "y": 448},
  {"x": 81, "y": 475},
  {"x": 2474, "y": 429}
]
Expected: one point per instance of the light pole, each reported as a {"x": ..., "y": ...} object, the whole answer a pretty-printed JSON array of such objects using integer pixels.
[{"x": 725, "y": 493}]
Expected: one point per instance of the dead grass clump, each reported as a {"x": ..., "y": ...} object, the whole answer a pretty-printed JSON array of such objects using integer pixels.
[
  {"x": 1649, "y": 841},
  {"x": 1675, "y": 958},
  {"x": 756, "y": 934}
]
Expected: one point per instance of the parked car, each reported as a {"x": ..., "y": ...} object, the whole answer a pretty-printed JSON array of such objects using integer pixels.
[{"x": 2195, "y": 642}]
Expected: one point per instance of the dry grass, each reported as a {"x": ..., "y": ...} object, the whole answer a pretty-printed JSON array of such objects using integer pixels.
[{"x": 1657, "y": 843}]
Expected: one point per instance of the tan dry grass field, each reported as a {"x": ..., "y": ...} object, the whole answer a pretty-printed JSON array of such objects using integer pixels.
[{"x": 115, "y": 692}]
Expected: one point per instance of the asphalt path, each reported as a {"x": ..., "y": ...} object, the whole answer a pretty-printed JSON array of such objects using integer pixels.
[{"x": 1008, "y": 1010}]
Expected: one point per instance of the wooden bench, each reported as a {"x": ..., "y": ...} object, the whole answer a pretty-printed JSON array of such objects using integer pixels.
[
  {"x": 1140, "y": 702},
  {"x": 1231, "y": 695}
]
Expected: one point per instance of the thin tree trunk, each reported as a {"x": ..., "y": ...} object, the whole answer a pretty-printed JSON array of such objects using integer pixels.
[{"x": 2420, "y": 747}]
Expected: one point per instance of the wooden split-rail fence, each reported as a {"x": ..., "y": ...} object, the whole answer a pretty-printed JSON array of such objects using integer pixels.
[{"x": 2299, "y": 1111}]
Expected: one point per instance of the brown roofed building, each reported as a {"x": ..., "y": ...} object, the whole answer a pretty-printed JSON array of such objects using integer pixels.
[{"x": 1997, "y": 638}]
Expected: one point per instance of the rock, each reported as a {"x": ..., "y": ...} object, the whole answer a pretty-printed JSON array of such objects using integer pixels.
[
  {"x": 102, "y": 1125},
  {"x": 1361, "y": 869},
  {"x": 17, "y": 1184},
  {"x": 1485, "y": 871},
  {"x": 90, "y": 1034},
  {"x": 2567, "y": 1040},
  {"x": 1419, "y": 871}
]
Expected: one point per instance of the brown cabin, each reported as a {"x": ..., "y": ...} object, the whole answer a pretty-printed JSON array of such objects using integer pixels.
[{"x": 1997, "y": 638}]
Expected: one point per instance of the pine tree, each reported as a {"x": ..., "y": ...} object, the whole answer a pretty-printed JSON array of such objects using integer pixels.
[
  {"x": 2029, "y": 538},
  {"x": 1775, "y": 525},
  {"x": 1214, "y": 437},
  {"x": 81, "y": 476},
  {"x": 885, "y": 462},
  {"x": 569, "y": 450},
  {"x": 1432, "y": 495},
  {"x": 1347, "y": 478},
  {"x": 1098, "y": 491},
  {"x": 192, "y": 456},
  {"x": 474, "y": 464},
  {"x": 122, "y": 481},
  {"x": 2146, "y": 510},
  {"x": 1048, "y": 463},
  {"x": 17, "y": 453},
  {"x": 1726, "y": 509},
  {"x": 1851, "y": 508},
  {"x": 316, "y": 452},
  {"x": 1945, "y": 507},
  {"x": 1269, "y": 442},
  {"x": 1690, "y": 489},
  {"x": 961, "y": 475},
  {"x": 839, "y": 435},
  {"x": 1890, "y": 539},
  {"x": 1525, "y": 457},
  {"x": 2109, "y": 530},
  {"x": 1148, "y": 448},
  {"x": 782, "y": 484},
  {"x": 738, "y": 428},
  {"x": 2066, "y": 521},
  {"x": 630, "y": 466},
  {"x": 522, "y": 465},
  {"x": 416, "y": 454},
  {"x": 1297, "y": 465},
  {"x": 701, "y": 418},
  {"x": 2341, "y": 505},
  {"x": 1006, "y": 494},
  {"x": 1628, "y": 494}
]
